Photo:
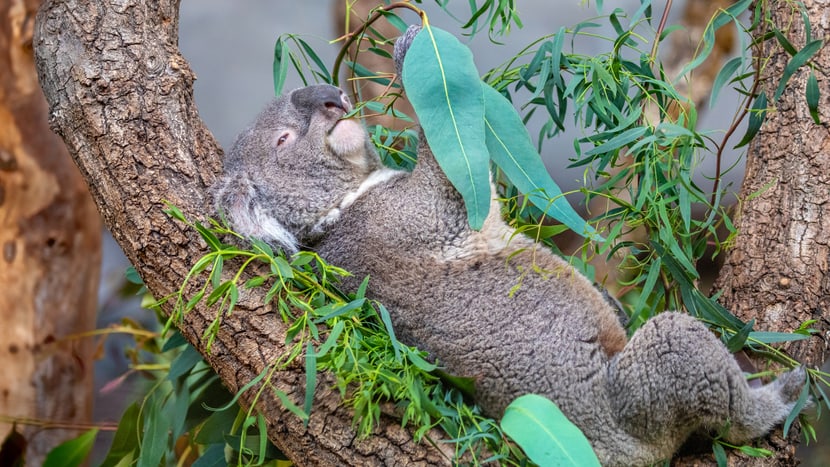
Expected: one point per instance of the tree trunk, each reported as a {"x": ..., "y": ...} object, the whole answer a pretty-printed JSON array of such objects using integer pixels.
[
  {"x": 50, "y": 238},
  {"x": 121, "y": 96},
  {"x": 776, "y": 271}
]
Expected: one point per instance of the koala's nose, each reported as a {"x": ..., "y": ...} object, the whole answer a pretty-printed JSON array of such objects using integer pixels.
[{"x": 321, "y": 97}]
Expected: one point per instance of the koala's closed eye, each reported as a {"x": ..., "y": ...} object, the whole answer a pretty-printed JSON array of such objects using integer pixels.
[{"x": 285, "y": 137}]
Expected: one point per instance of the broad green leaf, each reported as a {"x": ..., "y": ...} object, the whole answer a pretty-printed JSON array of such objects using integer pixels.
[
  {"x": 544, "y": 433},
  {"x": 511, "y": 149},
  {"x": 184, "y": 363},
  {"x": 213, "y": 456},
  {"x": 216, "y": 426},
  {"x": 73, "y": 452},
  {"x": 155, "y": 433},
  {"x": 124, "y": 442},
  {"x": 442, "y": 83}
]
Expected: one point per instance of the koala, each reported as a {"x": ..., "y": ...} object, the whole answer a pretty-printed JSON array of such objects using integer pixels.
[{"x": 490, "y": 304}]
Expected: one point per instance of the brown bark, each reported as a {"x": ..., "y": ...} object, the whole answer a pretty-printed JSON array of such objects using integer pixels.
[
  {"x": 121, "y": 96},
  {"x": 50, "y": 238},
  {"x": 776, "y": 271}
]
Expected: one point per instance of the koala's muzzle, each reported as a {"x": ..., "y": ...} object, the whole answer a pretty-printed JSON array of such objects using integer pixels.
[{"x": 321, "y": 98}]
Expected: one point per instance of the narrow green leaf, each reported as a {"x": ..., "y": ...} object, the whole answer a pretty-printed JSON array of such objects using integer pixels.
[
  {"x": 241, "y": 391},
  {"x": 310, "y": 379},
  {"x": 730, "y": 14},
  {"x": 184, "y": 362},
  {"x": 262, "y": 446},
  {"x": 387, "y": 322},
  {"x": 795, "y": 63},
  {"x": 545, "y": 434},
  {"x": 756, "y": 118},
  {"x": 218, "y": 292},
  {"x": 724, "y": 76},
  {"x": 209, "y": 237},
  {"x": 776, "y": 337},
  {"x": 323, "y": 71},
  {"x": 708, "y": 44},
  {"x": 73, "y": 452},
  {"x": 216, "y": 271},
  {"x": 416, "y": 359},
  {"x": 331, "y": 341},
  {"x": 442, "y": 83},
  {"x": 812, "y": 97},
  {"x": 737, "y": 341},
  {"x": 720, "y": 454},
  {"x": 511, "y": 149},
  {"x": 174, "y": 212},
  {"x": 784, "y": 42},
  {"x": 290, "y": 405},
  {"x": 280, "y": 66},
  {"x": 618, "y": 141},
  {"x": 132, "y": 276},
  {"x": 154, "y": 436},
  {"x": 394, "y": 20},
  {"x": 124, "y": 442}
]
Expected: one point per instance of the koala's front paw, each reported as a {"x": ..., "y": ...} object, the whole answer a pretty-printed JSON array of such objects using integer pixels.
[{"x": 402, "y": 45}]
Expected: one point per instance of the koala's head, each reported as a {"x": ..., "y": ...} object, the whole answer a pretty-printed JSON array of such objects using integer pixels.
[{"x": 288, "y": 173}]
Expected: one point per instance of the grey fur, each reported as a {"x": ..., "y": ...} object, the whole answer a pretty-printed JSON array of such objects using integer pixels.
[{"x": 448, "y": 289}]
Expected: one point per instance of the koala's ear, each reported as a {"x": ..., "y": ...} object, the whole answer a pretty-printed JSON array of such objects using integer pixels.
[
  {"x": 402, "y": 45},
  {"x": 237, "y": 202}
]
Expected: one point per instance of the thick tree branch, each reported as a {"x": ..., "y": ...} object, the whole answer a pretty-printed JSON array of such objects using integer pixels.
[{"x": 121, "y": 96}]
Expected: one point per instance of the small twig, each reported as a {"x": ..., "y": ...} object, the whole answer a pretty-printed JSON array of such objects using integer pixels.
[
  {"x": 718, "y": 159},
  {"x": 660, "y": 29},
  {"x": 352, "y": 37}
]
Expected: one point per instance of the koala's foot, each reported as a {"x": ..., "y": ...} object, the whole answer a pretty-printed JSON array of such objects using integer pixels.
[
  {"x": 770, "y": 405},
  {"x": 675, "y": 377}
]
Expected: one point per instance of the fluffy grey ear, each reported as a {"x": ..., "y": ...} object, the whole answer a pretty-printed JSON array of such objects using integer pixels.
[
  {"x": 236, "y": 200},
  {"x": 402, "y": 45}
]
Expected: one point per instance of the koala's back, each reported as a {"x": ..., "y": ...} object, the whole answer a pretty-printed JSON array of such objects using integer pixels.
[{"x": 487, "y": 304}]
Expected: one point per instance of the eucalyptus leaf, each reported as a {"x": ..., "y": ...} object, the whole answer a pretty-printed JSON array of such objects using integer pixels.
[
  {"x": 511, "y": 149},
  {"x": 544, "y": 433},
  {"x": 73, "y": 452},
  {"x": 442, "y": 83}
]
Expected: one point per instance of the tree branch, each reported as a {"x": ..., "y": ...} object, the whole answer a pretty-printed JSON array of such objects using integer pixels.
[{"x": 121, "y": 96}]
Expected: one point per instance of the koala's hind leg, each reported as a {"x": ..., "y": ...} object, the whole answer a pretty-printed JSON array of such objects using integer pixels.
[{"x": 675, "y": 377}]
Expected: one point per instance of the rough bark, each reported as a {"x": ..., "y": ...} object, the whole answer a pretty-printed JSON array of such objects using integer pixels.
[
  {"x": 121, "y": 96},
  {"x": 776, "y": 271},
  {"x": 50, "y": 238}
]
